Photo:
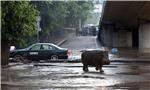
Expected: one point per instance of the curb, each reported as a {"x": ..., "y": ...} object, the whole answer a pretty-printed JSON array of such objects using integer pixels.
[
  {"x": 61, "y": 42},
  {"x": 64, "y": 40},
  {"x": 129, "y": 61},
  {"x": 7, "y": 66}
]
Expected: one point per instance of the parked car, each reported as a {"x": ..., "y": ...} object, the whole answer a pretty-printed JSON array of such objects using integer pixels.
[{"x": 40, "y": 51}]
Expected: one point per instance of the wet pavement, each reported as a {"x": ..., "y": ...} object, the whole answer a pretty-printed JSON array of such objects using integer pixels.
[{"x": 47, "y": 76}]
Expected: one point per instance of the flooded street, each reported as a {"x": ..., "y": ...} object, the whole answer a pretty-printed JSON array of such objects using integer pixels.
[{"x": 46, "y": 76}]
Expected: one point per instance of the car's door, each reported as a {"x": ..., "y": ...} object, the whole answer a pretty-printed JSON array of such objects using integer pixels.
[
  {"x": 47, "y": 51},
  {"x": 34, "y": 52}
]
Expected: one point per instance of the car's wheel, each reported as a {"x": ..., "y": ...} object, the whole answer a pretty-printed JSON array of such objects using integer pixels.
[
  {"x": 20, "y": 58},
  {"x": 54, "y": 57}
]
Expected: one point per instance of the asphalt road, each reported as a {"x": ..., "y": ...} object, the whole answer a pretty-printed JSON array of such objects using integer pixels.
[{"x": 81, "y": 43}]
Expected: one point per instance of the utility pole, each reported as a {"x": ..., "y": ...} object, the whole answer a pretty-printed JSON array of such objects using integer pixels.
[
  {"x": 80, "y": 27},
  {"x": 38, "y": 27}
]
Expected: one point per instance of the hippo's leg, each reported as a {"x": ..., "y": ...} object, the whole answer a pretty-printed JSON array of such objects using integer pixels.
[
  {"x": 96, "y": 68},
  {"x": 100, "y": 68},
  {"x": 85, "y": 68}
]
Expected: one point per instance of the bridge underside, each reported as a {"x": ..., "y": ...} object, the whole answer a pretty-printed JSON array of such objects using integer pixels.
[{"x": 125, "y": 24}]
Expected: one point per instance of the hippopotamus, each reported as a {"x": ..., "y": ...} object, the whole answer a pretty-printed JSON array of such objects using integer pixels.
[{"x": 94, "y": 58}]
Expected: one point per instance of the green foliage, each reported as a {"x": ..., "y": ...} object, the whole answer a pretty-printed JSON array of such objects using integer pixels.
[
  {"x": 56, "y": 15},
  {"x": 18, "y": 20},
  {"x": 79, "y": 10},
  {"x": 52, "y": 14},
  {"x": 94, "y": 19}
]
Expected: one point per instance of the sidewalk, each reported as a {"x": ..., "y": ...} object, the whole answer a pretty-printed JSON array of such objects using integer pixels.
[
  {"x": 114, "y": 58},
  {"x": 11, "y": 65},
  {"x": 129, "y": 55}
]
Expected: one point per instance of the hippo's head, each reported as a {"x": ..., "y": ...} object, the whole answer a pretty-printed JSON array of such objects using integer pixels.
[
  {"x": 105, "y": 58},
  {"x": 105, "y": 61}
]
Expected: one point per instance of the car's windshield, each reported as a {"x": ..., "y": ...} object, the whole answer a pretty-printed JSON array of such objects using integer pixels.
[
  {"x": 56, "y": 46},
  {"x": 29, "y": 47}
]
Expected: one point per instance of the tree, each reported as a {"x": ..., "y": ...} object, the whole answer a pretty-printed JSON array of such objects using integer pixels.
[
  {"x": 55, "y": 15},
  {"x": 18, "y": 21},
  {"x": 78, "y": 10}
]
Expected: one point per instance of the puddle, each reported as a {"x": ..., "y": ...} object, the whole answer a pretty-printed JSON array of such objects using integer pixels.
[
  {"x": 145, "y": 85},
  {"x": 82, "y": 76},
  {"x": 129, "y": 73}
]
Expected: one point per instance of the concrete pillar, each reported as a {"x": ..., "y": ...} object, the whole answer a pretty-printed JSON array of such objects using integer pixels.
[
  {"x": 107, "y": 37},
  {"x": 122, "y": 38},
  {"x": 144, "y": 38},
  {"x": 129, "y": 39},
  {"x": 115, "y": 39}
]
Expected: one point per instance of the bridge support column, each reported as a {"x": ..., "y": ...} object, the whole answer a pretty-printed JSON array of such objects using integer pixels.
[
  {"x": 144, "y": 38},
  {"x": 119, "y": 38}
]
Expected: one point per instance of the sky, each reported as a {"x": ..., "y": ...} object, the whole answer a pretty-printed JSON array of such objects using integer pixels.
[{"x": 98, "y": 8}]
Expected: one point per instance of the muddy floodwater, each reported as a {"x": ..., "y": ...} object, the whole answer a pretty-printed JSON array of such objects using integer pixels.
[{"x": 60, "y": 76}]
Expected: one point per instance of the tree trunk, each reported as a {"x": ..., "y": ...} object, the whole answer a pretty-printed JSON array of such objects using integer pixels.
[{"x": 4, "y": 52}]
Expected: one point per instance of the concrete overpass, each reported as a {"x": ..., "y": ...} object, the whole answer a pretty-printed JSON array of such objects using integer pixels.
[{"x": 125, "y": 24}]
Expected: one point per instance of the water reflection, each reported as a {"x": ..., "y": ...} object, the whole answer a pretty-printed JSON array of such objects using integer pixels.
[{"x": 54, "y": 77}]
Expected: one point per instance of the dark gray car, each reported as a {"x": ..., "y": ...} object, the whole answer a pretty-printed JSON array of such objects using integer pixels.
[{"x": 40, "y": 51}]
